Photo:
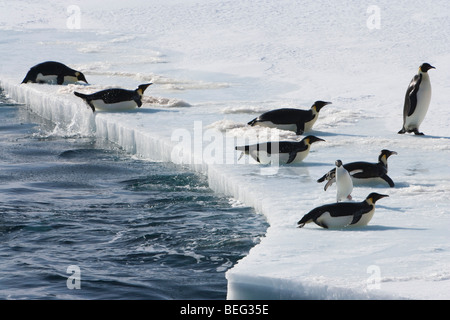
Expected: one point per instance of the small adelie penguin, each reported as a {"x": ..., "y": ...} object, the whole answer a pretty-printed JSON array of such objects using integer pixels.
[
  {"x": 343, "y": 214},
  {"x": 417, "y": 100},
  {"x": 344, "y": 183},
  {"x": 361, "y": 170},
  {"x": 296, "y": 120},
  {"x": 114, "y": 99},
  {"x": 53, "y": 72},
  {"x": 283, "y": 152}
]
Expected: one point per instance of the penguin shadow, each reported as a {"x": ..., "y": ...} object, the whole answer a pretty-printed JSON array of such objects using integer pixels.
[
  {"x": 375, "y": 227},
  {"x": 319, "y": 133},
  {"x": 146, "y": 110},
  {"x": 425, "y": 136}
]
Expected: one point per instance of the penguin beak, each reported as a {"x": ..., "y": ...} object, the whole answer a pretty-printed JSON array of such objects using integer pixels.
[
  {"x": 143, "y": 87},
  {"x": 376, "y": 196}
]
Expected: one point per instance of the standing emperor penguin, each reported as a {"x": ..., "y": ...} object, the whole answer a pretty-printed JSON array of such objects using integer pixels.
[
  {"x": 417, "y": 100},
  {"x": 290, "y": 119},
  {"x": 344, "y": 183}
]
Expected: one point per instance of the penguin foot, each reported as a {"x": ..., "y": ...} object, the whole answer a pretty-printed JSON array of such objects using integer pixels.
[
  {"x": 349, "y": 197},
  {"x": 402, "y": 131},
  {"x": 417, "y": 133}
]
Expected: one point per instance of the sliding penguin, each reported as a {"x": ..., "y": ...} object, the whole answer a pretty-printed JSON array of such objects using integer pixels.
[
  {"x": 296, "y": 120},
  {"x": 343, "y": 214},
  {"x": 344, "y": 183},
  {"x": 114, "y": 99},
  {"x": 53, "y": 72},
  {"x": 283, "y": 152},
  {"x": 364, "y": 171},
  {"x": 417, "y": 100}
]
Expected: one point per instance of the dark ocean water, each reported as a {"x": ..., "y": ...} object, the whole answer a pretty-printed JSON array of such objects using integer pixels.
[{"x": 81, "y": 219}]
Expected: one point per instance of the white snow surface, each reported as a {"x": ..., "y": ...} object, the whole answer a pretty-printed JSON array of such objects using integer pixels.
[{"x": 215, "y": 66}]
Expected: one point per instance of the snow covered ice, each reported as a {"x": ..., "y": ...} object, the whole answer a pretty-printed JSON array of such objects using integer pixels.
[{"x": 215, "y": 66}]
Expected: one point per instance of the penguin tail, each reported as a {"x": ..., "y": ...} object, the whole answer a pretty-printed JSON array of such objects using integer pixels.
[
  {"x": 81, "y": 95},
  {"x": 242, "y": 148}
]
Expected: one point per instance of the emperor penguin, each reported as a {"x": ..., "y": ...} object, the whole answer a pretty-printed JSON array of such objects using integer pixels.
[
  {"x": 290, "y": 119},
  {"x": 283, "y": 152},
  {"x": 364, "y": 171},
  {"x": 114, "y": 99},
  {"x": 344, "y": 183},
  {"x": 52, "y": 72},
  {"x": 343, "y": 214},
  {"x": 417, "y": 100}
]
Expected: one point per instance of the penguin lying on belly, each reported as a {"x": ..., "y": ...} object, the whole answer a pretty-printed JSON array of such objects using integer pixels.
[
  {"x": 343, "y": 214},
  {"x": 283, "y": 152},
  {"x": 53, "y": 72},
  {"x": 114, "y": 99},
  {"x": 360, "y": 171},
  {"x": 417, "y": 100},
  {"x": 296, "y": 120}
]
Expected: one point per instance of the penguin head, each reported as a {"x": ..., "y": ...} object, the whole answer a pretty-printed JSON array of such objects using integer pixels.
[
  {"x": 386, "y": 154},
  {"x": 319, "y": 105},
  {"x": 338, "y": 163},
  {"x": 141, "y": 88},
  {"x": 80, "y": 76},
  {"x": 311, "y": 139},
  {"x": 425, "y": 67},
  {"x": 374, "y": 197}
]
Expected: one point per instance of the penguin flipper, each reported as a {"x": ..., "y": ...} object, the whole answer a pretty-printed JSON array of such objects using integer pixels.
[
  {"x": 329, "y": 183},
  {"x": 356, "y": 218},
  {"x": 411, "y": 95},
  {"x": 300, "y": 128},
  {"x": 60, "y": 79},
  {"x": 292, "y": 156},
  {"x": 386, "y": 178},
  {"x": 138, "y": 101}
]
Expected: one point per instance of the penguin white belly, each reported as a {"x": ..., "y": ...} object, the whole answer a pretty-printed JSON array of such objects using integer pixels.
[
  {"x": 367, "y": 181},
  {"x": 70, "y": 79},
  {"x": 344, "y": 184},
  {"x": 47, "y": 79},
  {"x": 287, "y": 127},
  {"x": 277, "y": 158},
  {"x": 334, "y": 222},
  {"x": 53, "y": 79},
  {"x": 119, "y": 106},
  {"x": 423, "y": 102},
  {"x": 365, "y": 219},
  {"x": 309, "y": 125}
]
